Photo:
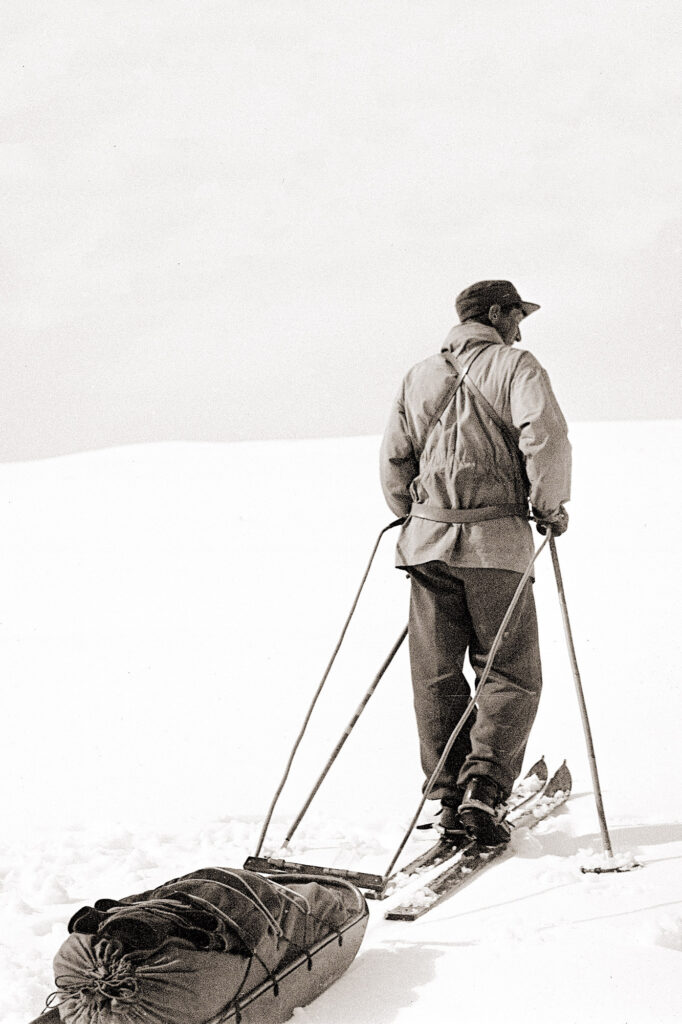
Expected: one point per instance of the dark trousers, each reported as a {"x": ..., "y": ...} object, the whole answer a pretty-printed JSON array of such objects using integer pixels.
[{"x": 452, "y": 611}]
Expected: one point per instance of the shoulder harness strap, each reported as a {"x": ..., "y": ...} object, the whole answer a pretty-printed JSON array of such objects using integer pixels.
[{"x": 461, "y": 372}]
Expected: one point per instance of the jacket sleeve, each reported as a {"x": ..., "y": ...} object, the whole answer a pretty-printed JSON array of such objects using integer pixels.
[
  {"x": 398, "y": 462},
  {"x": 543, "y": 435}
]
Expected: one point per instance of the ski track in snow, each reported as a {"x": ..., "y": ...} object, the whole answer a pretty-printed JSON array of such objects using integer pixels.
[{"x": 155, "y": 689}]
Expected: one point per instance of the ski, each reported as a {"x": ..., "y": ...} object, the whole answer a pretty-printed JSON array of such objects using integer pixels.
[
  {"x": 528, "y": 789},
  {"x": 470, "y": 860},
  {"x": 378, "y": 887}
]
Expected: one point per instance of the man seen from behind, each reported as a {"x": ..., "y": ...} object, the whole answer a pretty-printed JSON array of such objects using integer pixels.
[{"x": 475, "y": 442}]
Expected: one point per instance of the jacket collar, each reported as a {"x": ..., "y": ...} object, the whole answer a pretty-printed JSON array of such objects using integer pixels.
[{"x": 461, "y": 334}]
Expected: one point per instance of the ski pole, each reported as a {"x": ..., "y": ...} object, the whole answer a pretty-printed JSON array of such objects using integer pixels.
[
  {"x": 278, "y": 792},
  {"x": 470, "y": 706},
  {"x": 606, "y": 840},
  {"x": 349, "y": 728}
]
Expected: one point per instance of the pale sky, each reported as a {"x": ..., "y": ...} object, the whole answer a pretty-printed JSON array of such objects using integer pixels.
[{"x": 234, "y": 220}]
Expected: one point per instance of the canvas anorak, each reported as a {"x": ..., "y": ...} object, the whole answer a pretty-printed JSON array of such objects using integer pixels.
[{"x": 468, "y": 461}]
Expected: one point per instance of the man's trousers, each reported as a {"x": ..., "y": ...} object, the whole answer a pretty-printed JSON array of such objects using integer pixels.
[{"x": 458, "y": 610}]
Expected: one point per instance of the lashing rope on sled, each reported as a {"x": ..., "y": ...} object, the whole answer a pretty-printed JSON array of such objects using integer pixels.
[{"x": 105, "y": 970}]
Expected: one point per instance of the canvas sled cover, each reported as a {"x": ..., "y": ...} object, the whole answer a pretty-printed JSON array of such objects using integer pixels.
[{"x": 187, "y": 951}]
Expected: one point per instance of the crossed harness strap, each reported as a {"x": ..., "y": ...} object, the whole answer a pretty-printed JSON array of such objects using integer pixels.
[{"x": 424, "y": 510}]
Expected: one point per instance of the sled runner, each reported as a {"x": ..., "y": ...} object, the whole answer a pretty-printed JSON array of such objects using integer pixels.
[{"x": 213, "y": 947}]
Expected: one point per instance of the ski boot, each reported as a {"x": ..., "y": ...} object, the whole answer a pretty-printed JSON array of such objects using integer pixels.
[
  {"x": 450, "y": 824},
  {"x": 481, "y": 812}
]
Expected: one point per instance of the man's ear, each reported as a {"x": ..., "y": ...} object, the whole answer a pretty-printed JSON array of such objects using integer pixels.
[{"x": 494, "y": 313}]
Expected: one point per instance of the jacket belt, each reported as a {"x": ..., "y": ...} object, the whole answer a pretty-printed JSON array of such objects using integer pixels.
[{"x": 467, "y": 515}]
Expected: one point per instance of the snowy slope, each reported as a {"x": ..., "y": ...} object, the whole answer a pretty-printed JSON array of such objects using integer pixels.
[{"x": 165, "y": 615}]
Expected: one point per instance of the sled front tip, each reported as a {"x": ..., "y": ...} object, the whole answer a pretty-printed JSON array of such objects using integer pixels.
[{"x": 49, "y": 1017}]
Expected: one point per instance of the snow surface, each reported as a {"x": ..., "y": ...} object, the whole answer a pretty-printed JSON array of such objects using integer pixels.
[{"x": 166, "y": 612}]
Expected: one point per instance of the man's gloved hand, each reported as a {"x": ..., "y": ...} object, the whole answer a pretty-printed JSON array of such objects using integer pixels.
[{"x": 556, "y": 521}]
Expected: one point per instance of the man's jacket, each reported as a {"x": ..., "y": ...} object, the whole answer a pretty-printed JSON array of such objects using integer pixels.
[{"x": 502, "y": 441}]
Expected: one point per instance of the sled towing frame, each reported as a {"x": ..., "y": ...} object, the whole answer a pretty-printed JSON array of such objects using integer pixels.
[{"x": 374, "y": 885}]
